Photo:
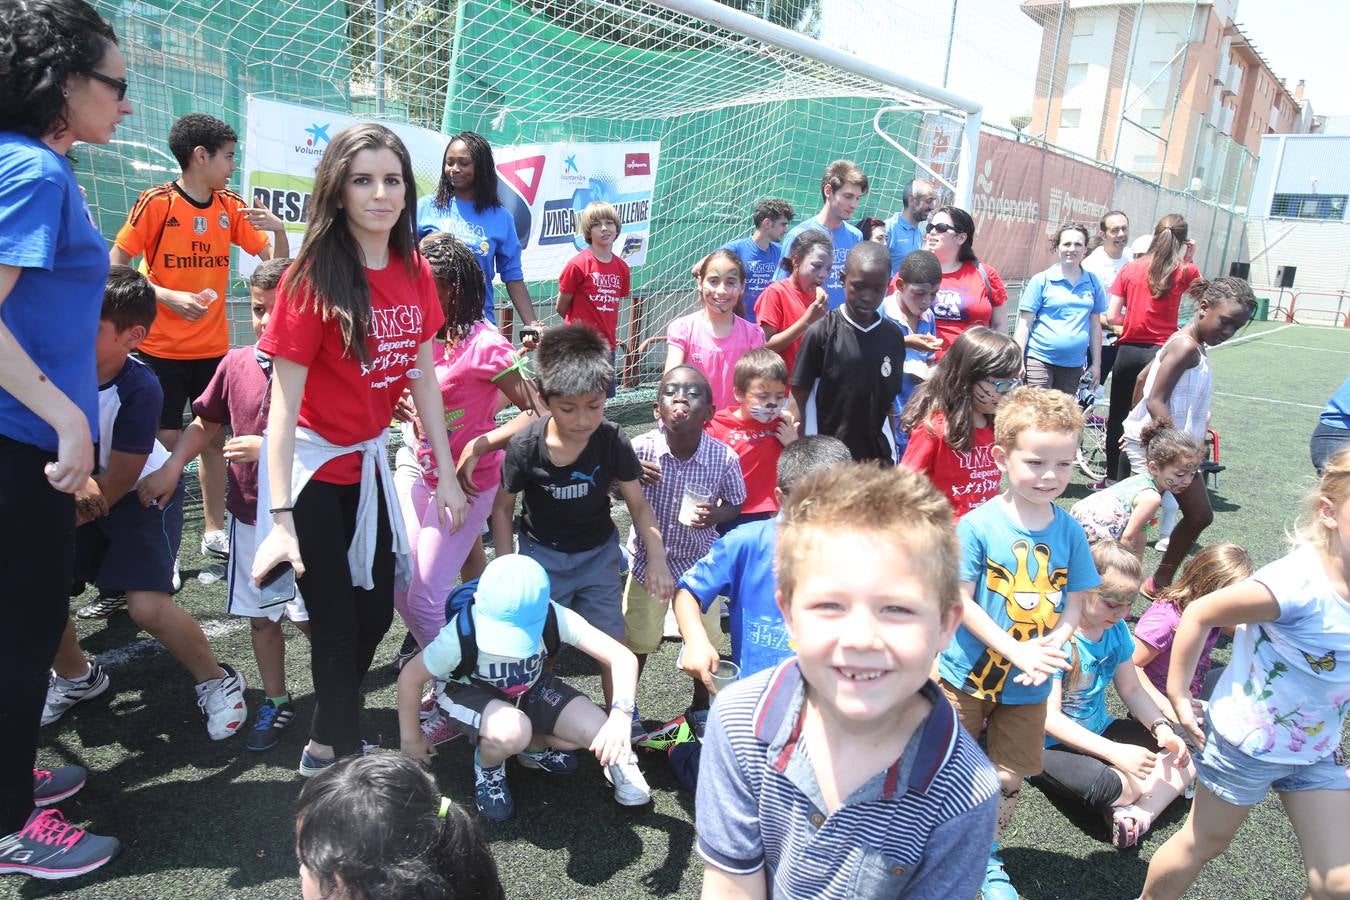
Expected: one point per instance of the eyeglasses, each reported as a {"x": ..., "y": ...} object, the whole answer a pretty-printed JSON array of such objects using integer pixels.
[
  {"x": 1003, "y": 385},
  {"x": 940, "y": 228},
  {"x": 117, "y": 84}
]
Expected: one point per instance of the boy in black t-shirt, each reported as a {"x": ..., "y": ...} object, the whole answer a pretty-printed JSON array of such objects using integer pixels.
[
  {"x": 850, "y": 365},
  {"x": 564, "y": 465}
]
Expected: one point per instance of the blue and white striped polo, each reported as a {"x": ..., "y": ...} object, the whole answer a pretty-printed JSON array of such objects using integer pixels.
[{"x": 921, "y": 828}]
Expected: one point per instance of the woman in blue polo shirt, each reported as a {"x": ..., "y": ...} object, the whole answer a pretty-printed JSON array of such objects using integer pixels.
[
  {"x": 1058, "y": 324},
  {"x": 466, "y": 205},
  {"x": 62, "y": 80}
]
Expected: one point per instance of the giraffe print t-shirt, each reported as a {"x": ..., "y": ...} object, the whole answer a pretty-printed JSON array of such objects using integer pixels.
[
  {"x": 566, "y": 508},
  {"x": 1021, "y": 580}
]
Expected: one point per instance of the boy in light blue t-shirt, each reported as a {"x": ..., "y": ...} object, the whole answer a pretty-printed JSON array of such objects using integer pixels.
[
  {"x": 760, "y": 251},
  {"x": 1025, "y": 567}
]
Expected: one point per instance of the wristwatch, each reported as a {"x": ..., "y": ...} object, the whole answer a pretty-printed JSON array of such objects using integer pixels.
[{"x": 624, "y": 706}]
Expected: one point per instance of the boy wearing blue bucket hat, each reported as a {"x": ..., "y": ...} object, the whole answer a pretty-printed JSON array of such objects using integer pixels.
[{"x": 491, "y": 655}]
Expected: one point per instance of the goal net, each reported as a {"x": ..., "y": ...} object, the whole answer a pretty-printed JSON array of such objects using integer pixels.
[{"x": 736, "y": 117}]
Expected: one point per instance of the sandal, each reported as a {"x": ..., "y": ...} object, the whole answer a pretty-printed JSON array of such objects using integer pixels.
[{"x": 1129, "y": 824}]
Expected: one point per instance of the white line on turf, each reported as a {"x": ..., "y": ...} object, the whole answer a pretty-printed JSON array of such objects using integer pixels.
[
  {"x": 120, "y": 655},
  {"x": 1265, "y": 400},
  {"x": 1251, "y": 337},
  {"x": 1306, "y": 349}
]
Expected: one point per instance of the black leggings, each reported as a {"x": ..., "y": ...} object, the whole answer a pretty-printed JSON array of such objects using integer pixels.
[
  {"x": 1130, "y": 361},
  {"x": 346, "y": 623},
  {"x": 37, "y": 532},
  {"x": 1086, "y": 779}
]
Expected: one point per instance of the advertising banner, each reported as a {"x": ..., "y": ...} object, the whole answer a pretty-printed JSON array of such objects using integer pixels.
[
  {"x": 543, "y": 186},
  {"x": 1022, "y": 195}
]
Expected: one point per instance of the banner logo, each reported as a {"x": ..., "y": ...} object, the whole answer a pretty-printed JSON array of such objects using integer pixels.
[{"x": 637, "y": 164}]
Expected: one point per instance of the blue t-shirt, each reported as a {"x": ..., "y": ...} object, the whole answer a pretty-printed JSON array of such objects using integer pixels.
[
  {"x": 53, "y": 308},
  {"x": 902, "y": 239},
  {"x": 491, "y": 235},
  {"x": 915, "y": 362},
  {"x": 1337, "y": 411},
  {"x": 844, "y": 237},
  {"x": 1021, "y": 580},
  {"x": 740, "y": 567},
  {"x": 761, "y": 267},
  {"x": 1063, "y": 315},
  {"x": 1084, "y": 695}
]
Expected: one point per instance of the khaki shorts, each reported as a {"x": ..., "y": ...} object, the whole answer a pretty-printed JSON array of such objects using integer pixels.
[
  {"x": 644, "y": 618},
  {"x": 1014, "y": 733}
]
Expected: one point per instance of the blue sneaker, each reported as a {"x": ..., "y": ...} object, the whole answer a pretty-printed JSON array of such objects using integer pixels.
[
  {"x": 554, "y": 762},
  {"x": 270, "y": 722},
  {"x": 997, "y": 885},
  {"x": 490, "y": 793}
]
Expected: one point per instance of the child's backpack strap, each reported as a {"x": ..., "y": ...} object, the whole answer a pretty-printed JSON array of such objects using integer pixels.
[{"x": 458, "y": 608}]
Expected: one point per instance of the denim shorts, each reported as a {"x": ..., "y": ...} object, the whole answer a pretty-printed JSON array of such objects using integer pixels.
[{"x": 1243, "y": 780}]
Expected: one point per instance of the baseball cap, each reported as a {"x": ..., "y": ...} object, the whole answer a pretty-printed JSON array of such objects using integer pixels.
[
  {"x": 511, "y": 606},
  {"x": 1139, "y": 246}
]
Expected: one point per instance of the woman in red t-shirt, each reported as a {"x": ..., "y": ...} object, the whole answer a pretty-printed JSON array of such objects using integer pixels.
[
  {"x": 353, "y": 325},
  {"x": 972, "y": 292},
  {"x": 1145, "y": 299}
]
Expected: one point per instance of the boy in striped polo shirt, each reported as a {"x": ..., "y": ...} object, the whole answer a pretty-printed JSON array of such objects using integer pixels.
[
  {"x": 675, "y": 455},
  {"x": 844, "y": 772}
]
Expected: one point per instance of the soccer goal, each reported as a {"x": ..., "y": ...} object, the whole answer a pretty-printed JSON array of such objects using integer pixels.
[{"x": 740, "y": 108}]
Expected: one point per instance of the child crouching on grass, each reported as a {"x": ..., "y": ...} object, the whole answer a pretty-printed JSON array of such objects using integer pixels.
[
  {"x": 500, "y": 697},
  {"x": 376, "y": 827},
  {"x": 237, "y": 393},
  {"x": 844, "y": 771}
]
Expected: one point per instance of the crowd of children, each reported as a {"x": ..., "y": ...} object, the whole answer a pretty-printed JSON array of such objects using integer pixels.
[{"x": 916, "y": 626}]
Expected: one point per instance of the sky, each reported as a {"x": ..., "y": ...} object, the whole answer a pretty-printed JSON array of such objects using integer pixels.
[
  {"x": 1303, "y": 39},
  {"x": 993, "y": 58}
]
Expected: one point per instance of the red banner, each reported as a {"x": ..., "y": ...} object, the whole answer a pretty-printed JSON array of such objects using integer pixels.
[{"x": 1023, "y": 192}]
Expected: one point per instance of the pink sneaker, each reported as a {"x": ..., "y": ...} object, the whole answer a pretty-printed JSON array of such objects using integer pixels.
[{"x": 438, "y": 730}]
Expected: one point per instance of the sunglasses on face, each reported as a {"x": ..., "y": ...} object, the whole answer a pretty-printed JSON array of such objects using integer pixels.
[
  {"x": 117, "y": 84},
  {"x": 1003, "y": 385},
  {"x": 940, "y": 228}
]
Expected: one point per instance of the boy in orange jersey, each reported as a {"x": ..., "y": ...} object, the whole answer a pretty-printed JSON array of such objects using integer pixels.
[{"x": 184, "y": 230}]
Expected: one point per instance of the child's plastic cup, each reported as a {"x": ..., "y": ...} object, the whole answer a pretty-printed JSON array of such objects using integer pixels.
[
  {"x": 727, "y": 672},
  {"x": 695, "y": 495},
  {"x": 207, "y": 296}
]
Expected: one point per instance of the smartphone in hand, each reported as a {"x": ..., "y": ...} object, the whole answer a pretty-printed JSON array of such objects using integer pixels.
[{"x": 277, "y": 586}]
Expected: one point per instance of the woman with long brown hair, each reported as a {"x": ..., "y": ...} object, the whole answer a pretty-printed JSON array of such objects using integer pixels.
[
  {"x": 1145, "y": 299},
  {"x": 354, "y": 322}
]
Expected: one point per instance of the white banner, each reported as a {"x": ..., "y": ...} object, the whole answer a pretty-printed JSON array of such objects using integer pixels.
[{"x": 543, "y": 186}]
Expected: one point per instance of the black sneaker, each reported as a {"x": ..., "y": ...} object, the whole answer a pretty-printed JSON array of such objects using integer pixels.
[
  {"x": 105, "y": 606},
  {"x": 49, "y": 847},
  {"x": 406, "y": 652},
  {"x": 54, "y": 785},
  {"x": 270, "y": 722}
]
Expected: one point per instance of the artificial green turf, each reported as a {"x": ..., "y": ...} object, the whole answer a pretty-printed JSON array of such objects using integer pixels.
[{"x": 205, "y": 819}]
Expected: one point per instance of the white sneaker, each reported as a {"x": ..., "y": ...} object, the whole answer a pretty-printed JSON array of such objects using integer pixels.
[
  {"x": 1163, "y": 543},
  {"x": 222, "y": 702},
  {"x": 177, "y": 578},
  {"x": 62, "y": 693},
  {"x": 216, "y": 543},
  {"x": 630, "y": 788}
]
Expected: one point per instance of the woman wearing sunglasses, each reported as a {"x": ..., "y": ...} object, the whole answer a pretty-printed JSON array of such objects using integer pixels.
[
  {"x": 62, "y": 80},
  {"x": 972, "y": 293}
]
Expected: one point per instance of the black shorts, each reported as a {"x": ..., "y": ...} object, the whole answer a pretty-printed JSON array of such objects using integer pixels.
[
  {"x": 132, "y": 548},
  {"x": 183, "y": 381},
  {"x": 542, "y": 704}
]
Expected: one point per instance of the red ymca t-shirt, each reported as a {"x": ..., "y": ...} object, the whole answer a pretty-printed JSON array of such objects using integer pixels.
[
  {"x": 597, "y": 289},
  {"x": 963, "y": 301},
  {"x": 757, "y": 446},
  {"x": 1150, "y": 321},
  {"x": 780, "y": 306},
  {"x": 966, "y": 478},
  {"x": 344, "y": 401}
]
